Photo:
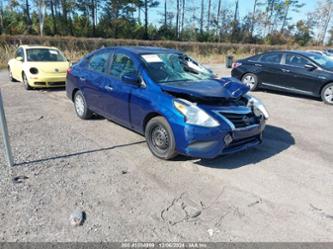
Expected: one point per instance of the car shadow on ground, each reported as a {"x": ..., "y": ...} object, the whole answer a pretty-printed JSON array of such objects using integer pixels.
[
  {"x": 276, "y": 140},
  {"x": 64, "y": 156}
]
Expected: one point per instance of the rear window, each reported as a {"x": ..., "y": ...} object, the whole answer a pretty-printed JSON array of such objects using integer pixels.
[{"x": 271, "y": 58}]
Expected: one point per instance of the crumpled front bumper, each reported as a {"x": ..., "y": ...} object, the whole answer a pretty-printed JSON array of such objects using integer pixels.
[{"x": 203, "y": 142}]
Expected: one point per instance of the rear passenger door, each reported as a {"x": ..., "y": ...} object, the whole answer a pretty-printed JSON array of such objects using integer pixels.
[
  {"x": 93, "y": 79},
  {"x": 270, "y": 71}
]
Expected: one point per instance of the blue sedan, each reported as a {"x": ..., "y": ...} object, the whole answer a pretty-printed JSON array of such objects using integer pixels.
[{"x": 179, "y": 105}]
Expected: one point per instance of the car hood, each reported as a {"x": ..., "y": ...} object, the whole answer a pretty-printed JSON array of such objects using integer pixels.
[
  {"x": 224, "y": 88},
  {"x": 50, "y": 67}
]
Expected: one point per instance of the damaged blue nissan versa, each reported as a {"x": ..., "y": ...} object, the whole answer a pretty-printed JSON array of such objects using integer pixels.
[{"x": 179, "y": 105}]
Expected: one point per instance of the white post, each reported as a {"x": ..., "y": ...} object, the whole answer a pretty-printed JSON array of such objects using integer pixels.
[{"x": 4, "y": 130}]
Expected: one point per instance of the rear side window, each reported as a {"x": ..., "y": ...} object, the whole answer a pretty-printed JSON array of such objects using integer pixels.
[
  {"x": 121, "y": 65},
  {"x": 274, "y": 58},
  {"x": 19, "y": 53},
  {"x": 296, "y": 60},
  {"x": 98, "y": 62}
]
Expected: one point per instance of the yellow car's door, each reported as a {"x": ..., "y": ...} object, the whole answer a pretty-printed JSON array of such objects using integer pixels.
[{"x": 17, "y": 64}]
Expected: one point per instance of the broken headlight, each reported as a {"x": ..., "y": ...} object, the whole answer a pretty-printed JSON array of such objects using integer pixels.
[
  {"x": 193, "y": 114},
  {"x": 257, "y": 106}
]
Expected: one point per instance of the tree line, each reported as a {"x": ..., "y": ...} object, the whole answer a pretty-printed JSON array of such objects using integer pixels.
[{"x": 268, "y": 22}]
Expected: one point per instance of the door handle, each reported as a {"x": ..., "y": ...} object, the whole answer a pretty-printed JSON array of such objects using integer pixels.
[
  {"x": 82, "y": 79},
  {"x": 109, "y": 88},
  {"x": 258, "y": 65},
  {"x": 285, "y": 70}
]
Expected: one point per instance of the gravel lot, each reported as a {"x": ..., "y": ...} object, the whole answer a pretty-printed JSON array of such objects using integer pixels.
[{"x": 279, "y": 191}]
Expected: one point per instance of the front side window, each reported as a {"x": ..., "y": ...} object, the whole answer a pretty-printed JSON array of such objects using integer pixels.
[
  {"x": 121, "y": 65},
  {"x": 44, "y": 55},
  {"x": 170, "y": 67},
  {"x": 274, "y": 58},
  {"x": 98, "y": 62},
  {"x": 296, "y": 60},
  {"x": 322, "y": 60}
]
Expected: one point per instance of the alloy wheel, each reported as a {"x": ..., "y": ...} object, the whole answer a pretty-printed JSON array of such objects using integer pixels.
[
  {"x": 250, "y": 81},
  {"x": 79, "y": 105},
  {"x": 328, "y": 94}
]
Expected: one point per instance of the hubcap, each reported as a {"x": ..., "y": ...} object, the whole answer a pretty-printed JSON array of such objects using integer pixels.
[
  {"x": 159, "y": 137},
  {"x": 249, "y": 80},
  {"x": 79, "y": 105},
  {"x": 328, "y": 94}
]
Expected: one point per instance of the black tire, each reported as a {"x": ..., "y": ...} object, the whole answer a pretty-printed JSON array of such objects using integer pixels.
[
  {"x": 160, "y": 138},
  {"x": 11, "y": 75},
  {"x": 26, "y": 82},
  {"x": 327, "y": 94},
  {"x": 250, "y": 80},
  {"x": 81, "y": 107}
]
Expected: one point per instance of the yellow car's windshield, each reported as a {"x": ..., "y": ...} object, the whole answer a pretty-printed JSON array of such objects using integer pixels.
[{"x": 44, "y": 55}]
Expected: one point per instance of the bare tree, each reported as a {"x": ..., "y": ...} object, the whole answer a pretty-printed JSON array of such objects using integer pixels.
[
  {"x": 1, "y": 17},
  {"x": 41, "y": 8},
  {"x": 202, "y": 16},
  {"x": 209, "y": 13}
]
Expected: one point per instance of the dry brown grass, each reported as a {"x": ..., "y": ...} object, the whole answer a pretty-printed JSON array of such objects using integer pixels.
[{"x": 74, "y": 48}]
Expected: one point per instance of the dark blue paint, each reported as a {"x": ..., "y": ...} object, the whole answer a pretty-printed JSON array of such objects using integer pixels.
[{"x": 130, "y": 104}]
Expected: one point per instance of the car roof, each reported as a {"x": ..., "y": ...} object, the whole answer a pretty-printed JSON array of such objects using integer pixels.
[
  {"x": 36, "y": 46},
  {"x": 146, "y": 50},
  {"x": 301, "y": 52}
]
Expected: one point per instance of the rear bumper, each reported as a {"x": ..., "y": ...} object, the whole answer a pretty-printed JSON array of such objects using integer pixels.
[{"x": 201, "y": 142}]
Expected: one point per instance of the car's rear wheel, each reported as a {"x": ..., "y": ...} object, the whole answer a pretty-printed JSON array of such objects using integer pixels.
[
  {"x": 160, "y": 138},
  {"x": 26, "y": 82},
  {"x": 251, "y": 80},
  {"x": 81, "y": 107},
  {"x": 327, "y": 94},
  {"x": 11, "y": 75}
]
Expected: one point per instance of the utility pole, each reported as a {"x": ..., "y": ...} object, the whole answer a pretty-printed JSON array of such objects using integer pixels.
[{"x": 4, "y": 131}]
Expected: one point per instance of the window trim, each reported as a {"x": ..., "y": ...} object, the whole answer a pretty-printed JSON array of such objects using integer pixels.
[
  {"x": 289, "y": 65},
  {"x": 271, "y": 53},
  {"x": 111, "y": 52}
]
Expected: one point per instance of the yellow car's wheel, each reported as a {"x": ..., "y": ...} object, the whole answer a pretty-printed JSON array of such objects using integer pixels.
[
  {"x": 25, "y": 82},
  {"x": 11, "y": 75}
]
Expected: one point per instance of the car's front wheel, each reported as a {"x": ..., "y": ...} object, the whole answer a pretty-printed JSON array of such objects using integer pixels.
[
  {"x": 10, "y": 75},
  {"x": 81, "y": 107},
  {"x": 26, "y": 82},
  {"x": 160, "y": 138},
  {"x": 251, "y": 80},
  {"x": 327, "y": 94}
]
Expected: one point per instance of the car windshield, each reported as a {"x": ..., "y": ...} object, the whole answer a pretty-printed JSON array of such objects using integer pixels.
[
  {"x": 44, "y": 55},
  {"x": 171, "y": 67},
  {"x": 322, "y": 60}
]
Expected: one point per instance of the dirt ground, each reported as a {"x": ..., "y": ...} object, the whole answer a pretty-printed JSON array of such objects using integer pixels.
[{"x": 281, "y": 190}]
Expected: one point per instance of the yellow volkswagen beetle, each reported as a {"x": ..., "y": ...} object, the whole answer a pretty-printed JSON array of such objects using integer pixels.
[{"x": 38, "y": 67}]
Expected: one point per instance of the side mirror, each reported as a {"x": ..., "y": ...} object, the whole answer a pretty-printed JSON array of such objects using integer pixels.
[
  {"x": 310, "y": 67},
  {"x": 19, "y": 58},
  {"x": 131, "y": 78}
]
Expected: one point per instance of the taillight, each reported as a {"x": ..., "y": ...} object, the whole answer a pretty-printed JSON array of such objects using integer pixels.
[
  {"x": 236, "y": 64},
  {"x": 69, "y": 70}
]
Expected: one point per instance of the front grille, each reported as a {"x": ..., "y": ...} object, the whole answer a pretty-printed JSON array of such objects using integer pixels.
[
  {"x": 58, "y": 83},
  {"x": 241, "y": 120}
]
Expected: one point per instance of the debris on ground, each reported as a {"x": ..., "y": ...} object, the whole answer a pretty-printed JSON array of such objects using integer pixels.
[
  {"x": 77, "y": 218},
  {"x": 19, "y": 179}
]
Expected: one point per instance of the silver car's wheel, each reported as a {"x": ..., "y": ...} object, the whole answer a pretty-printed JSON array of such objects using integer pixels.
[
  {"x": 250, "y": 80},
  {"x": 80, "y": 105},
  {"x": 327, "y": 94}
]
